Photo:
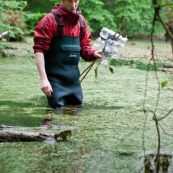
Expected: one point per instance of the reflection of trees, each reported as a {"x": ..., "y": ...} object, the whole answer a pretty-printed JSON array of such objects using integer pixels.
[
  {"x": 53, "y": 159},
  {"x": 65, "y": 162},
  {"x": 157, "y": 163}
]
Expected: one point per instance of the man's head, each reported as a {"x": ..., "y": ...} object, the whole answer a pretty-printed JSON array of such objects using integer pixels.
[{"x": 70, "y": 5}]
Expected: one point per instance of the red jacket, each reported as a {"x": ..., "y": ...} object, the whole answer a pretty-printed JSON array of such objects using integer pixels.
[{"x": 47, "y": 28}]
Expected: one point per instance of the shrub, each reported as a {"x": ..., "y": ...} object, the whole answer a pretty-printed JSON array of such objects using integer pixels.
[{"x": 13, "y": 19}]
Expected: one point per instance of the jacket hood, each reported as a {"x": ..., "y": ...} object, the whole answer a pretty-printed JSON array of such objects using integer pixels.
[{"x": 67, "y": 15}]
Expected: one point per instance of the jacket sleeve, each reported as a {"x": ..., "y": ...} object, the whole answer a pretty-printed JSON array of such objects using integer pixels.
[
  {"x": 43, "y": 33},
  {"x": 87, "y": 52}
]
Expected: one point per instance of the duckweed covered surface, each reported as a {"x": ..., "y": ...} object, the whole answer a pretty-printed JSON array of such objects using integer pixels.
[{"x": 109, "y": 126}]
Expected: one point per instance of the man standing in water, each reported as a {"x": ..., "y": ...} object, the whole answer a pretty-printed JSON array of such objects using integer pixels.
[{"x": 60, "y": 38}]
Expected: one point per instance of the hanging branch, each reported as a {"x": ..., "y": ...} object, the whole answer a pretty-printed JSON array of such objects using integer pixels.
[
  {"x": 157, "y": 127},
  {"x": 166, "y": 115},
  {"x": 165, "y": 131},
  {"x": 165, "y": 27},
  {"x": 156, "y": 120},
  {"x": 157, "y": 10}
]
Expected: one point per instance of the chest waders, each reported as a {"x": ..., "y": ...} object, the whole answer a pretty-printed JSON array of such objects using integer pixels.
[{"x": 61, "y": 64}]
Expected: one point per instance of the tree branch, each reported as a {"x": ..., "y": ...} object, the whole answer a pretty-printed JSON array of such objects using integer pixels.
[
  {"x": 165, "y": 27},
  {"x": 4, "y": 34}
]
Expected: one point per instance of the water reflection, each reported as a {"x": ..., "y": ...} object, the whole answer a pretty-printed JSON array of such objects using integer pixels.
[
  {"x": 69, "y": 110},
  {"x": 157, "y": 163}
]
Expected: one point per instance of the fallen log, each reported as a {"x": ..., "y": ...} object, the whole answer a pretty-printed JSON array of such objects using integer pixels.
[
  {"x": 18, "y": 134},
  {"x": 4, "y": 34}
]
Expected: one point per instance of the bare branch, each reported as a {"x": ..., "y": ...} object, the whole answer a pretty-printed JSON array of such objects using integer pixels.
[
  {"x": 165, "y": 131},
  {"x": 165, "y": 27},
  {"x": 166, "y": 115}
]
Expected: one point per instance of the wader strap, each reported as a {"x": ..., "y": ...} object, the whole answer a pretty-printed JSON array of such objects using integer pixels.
[
  {"x": 81, "y": 27},
  {"x": 60, "y": 25}
]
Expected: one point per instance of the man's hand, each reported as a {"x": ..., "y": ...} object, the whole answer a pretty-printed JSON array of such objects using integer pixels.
[
  {"x": 46, "y": 87},
  {"x": 98, "y": 54}
]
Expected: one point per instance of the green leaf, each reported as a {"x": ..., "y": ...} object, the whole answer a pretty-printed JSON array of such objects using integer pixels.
[
  {"x": 164, "y": 84},
  {"x": 96, "y": 72},
  {"x": 12, "y": 34},
  {"x": 111, "y": 69}
]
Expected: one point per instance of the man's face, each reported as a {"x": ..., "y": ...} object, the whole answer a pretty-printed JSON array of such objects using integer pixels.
[{"x": 70, "y": 5}]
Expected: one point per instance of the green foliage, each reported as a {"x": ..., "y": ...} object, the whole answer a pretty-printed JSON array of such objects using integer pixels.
[
  {"x": 12, "y": 5},
  {"x": 136, "y": 64},
  {"x": 138, "y": 13},
  {"x": 164, "y": 84},
  {"x": 12, "y": 17},
  {"x": 2, "y": 46},
  {"x": 98, "y": 17},
  {"x": 43, "y": 6},
  {"x": 98, "y": 14},
  {"x": 31, "y": 20}
]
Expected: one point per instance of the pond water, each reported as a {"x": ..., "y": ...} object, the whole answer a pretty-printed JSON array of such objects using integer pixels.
[
  {"x": 95, "y": 147},
  {"x": 109, "y": 133}
]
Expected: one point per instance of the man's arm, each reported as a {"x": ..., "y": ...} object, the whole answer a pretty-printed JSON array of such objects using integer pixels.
[{"x": 45, "y": 84}]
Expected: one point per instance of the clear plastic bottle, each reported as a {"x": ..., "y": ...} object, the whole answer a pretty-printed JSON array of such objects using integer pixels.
[
  {"x": 108, "y": 42},
  {"x": 122, "y": 40},
  {"x": 99, "y": 44},
  {"x": 110, "y": 49},
  {"x": 106, "y": 33}
]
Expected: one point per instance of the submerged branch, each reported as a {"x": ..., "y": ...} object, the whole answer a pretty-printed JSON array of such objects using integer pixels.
[{"x": 17, "y": 134}]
